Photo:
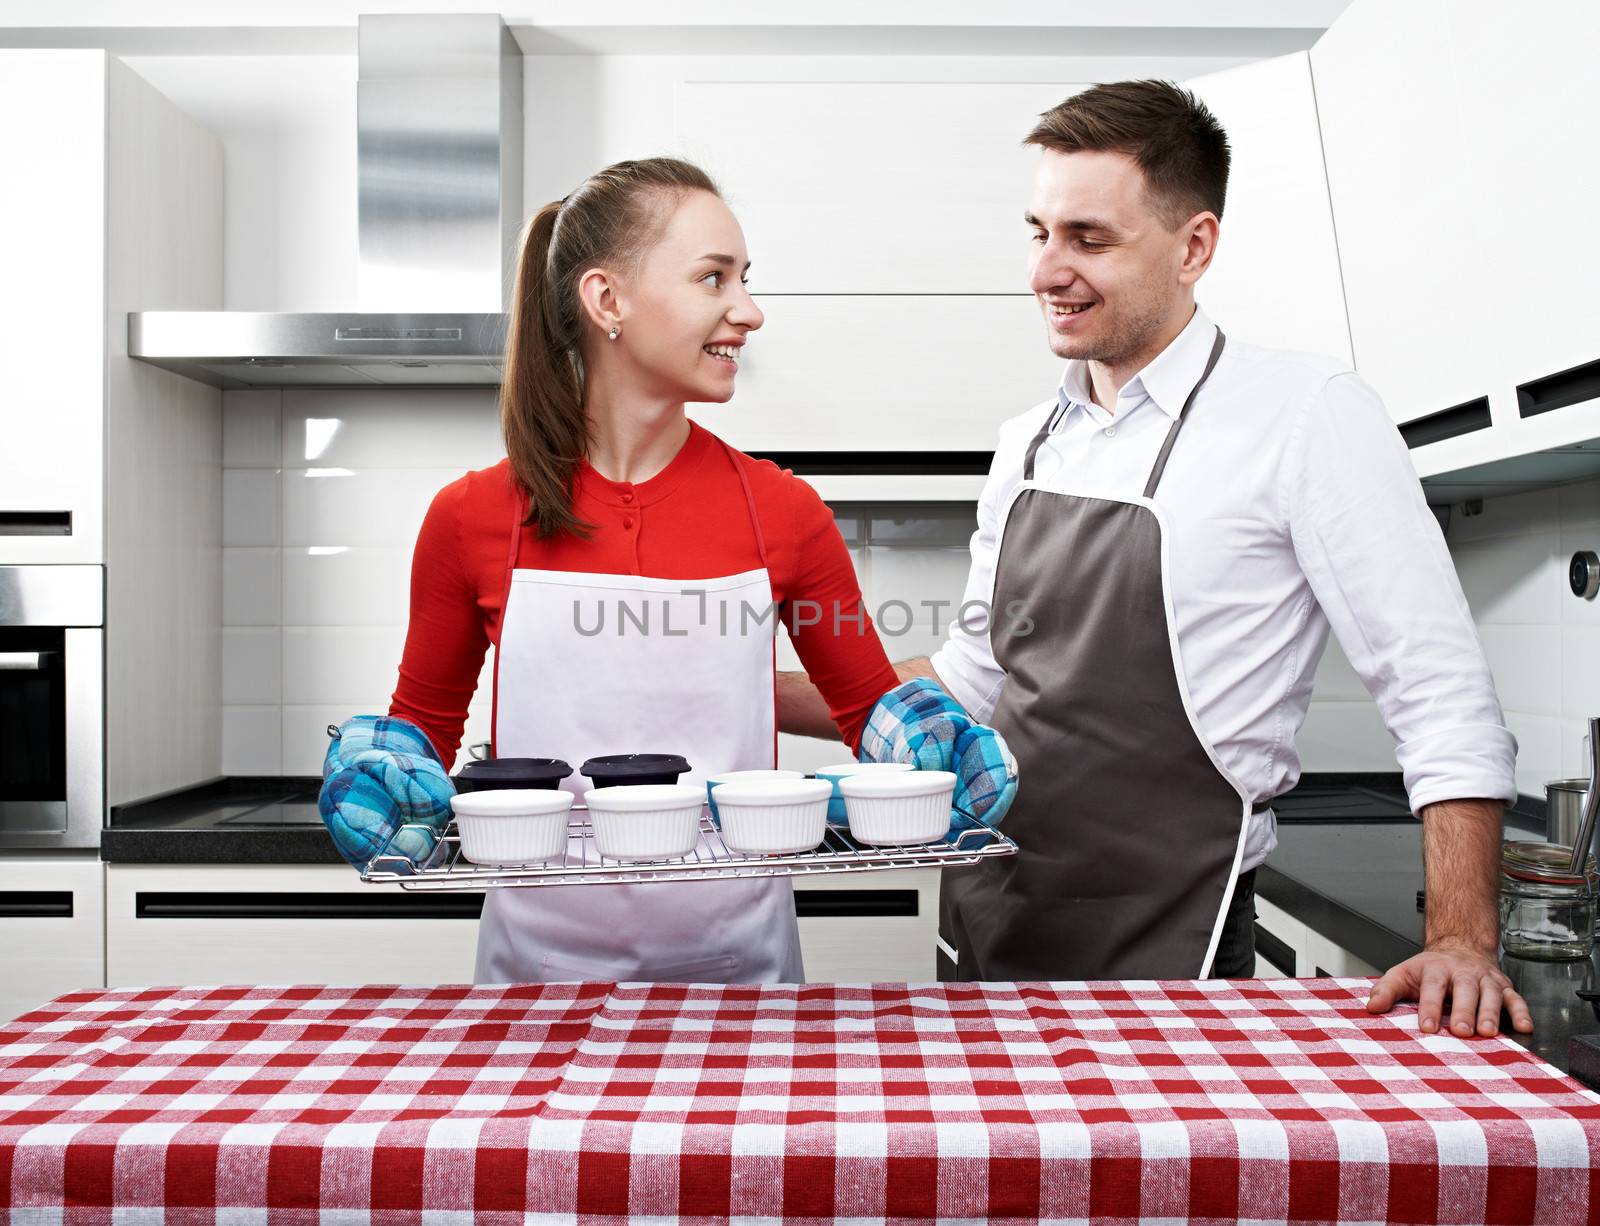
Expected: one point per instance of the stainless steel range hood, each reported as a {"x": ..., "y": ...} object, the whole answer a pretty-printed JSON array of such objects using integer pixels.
[{"x": 439, "y": 157}]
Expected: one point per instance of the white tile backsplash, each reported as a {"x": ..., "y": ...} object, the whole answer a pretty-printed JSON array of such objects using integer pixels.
[
  {"x": 252, "y": 670},
  {"x": 1538, "y": 750},
  {"x": 334, "y": 506},
  {"x": 252, "y": 741},
  {"x": 250, "y": 428},
  {"x": 454, "y": 428},
  {"x": 1345, "y": 736},
  {"x": 1580, "y": 505},
  {"x": 1514, "y": 580},
  {"x": 1523, "y": 660},
  {"x": 341, "y": 664},
  {"x": 251, "y": 587},
  {"x": 914, "y": 575},
  {"x": 346, "y": 586},
  {"x": 249, "y": 507}
]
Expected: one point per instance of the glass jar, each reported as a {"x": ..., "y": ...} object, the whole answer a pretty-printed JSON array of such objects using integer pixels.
[{"x": 1546, "y": 911}]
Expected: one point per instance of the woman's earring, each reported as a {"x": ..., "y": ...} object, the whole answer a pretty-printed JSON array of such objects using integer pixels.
[{"x": 616, "y": 331}]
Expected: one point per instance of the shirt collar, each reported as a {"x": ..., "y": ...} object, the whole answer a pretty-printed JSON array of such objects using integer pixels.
[{"x": 1167, "y": 380}]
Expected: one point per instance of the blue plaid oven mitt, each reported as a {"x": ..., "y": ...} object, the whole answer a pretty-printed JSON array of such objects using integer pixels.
[
  {"x": 919, "y": 723},
  {"x": 381, "y": 773}
]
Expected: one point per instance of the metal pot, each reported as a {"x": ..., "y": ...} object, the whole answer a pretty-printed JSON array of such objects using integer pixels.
[{"x": 1564, "y": 809}]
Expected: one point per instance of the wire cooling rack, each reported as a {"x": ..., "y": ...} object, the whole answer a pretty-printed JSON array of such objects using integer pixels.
[{"x": 445, "y": 868}]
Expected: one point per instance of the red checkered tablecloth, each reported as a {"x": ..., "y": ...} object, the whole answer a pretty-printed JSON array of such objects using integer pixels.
[{"x": 1118, "y": 1102}]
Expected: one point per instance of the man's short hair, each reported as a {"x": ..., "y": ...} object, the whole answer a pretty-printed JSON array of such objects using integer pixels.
[{"x": 1177, "y": 142}]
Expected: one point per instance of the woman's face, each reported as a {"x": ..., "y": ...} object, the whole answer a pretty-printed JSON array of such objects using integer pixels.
[{"x": 685, "y": 311}]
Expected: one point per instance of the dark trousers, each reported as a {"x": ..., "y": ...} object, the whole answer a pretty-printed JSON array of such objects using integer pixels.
[{"x": 1236, "y": 949}]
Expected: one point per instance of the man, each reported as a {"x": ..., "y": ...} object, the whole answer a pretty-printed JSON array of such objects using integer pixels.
[{"x": 1162, "y": 548}]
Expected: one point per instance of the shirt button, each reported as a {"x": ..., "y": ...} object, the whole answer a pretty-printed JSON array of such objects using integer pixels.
[
  {"x": 1111, "y": 431},
  {"x": 628, "y": 522},
  {"x": 628, "y": 497}
]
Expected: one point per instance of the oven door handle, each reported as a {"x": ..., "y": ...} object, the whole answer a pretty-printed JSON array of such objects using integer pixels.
[{"x": 25, "y": 661}]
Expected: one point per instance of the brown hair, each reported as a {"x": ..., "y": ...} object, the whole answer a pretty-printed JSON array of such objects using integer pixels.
[
  {"x": 609, "y": 220},
  {"x": 1177, "y": 142}
]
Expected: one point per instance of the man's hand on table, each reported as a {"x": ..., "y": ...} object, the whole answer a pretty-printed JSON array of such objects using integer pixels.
[
  {"x": 1473, "y": 981},
  {"x": 1461, "y": 841}
]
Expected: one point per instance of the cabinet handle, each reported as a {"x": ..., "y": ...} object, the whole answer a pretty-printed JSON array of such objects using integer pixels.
[
  {"x": 35, "y": 523},
  {"x": 151, "y": 904},
  {"x": 816, "y": 904},
  {"x": 35, "y": 904},
  {"x": 25, "y": 661},
  {"x": 1275, "y": 951},
  {"x": 1559, "y": 390},
  {"x": 1447, "y": 423}
]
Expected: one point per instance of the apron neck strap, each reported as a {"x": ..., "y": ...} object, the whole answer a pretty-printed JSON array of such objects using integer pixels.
[
  {"x": 1056, "y": 414},
  {"x": 1060, "y": 411},
  {"x": 1160, "y": 465}
]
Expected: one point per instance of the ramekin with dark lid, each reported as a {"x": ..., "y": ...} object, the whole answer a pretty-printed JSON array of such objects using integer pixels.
[
  {"x": 626, "y": 769},
  {"x": 504, "y": 774}
]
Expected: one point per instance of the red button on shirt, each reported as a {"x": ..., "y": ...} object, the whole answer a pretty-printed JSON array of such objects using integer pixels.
[
  {"x": 628, "y": 496},
  {"x": 628, "y": 522}
]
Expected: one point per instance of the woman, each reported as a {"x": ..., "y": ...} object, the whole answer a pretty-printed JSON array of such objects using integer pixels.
[{"x": 630, "y": 303}]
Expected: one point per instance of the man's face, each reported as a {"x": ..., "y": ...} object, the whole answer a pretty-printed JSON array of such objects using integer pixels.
[{"x": 1108, "y": 274}]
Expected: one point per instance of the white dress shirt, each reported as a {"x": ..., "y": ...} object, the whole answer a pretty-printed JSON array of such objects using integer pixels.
[{"x": 1292, "y": 506}]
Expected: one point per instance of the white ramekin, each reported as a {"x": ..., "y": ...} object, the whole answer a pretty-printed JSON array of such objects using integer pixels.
[
  {"x": 512, "y": 825},
  {"x": 843, "y": 770},
  {"x": 648, "y": 821},
  {"x": 742, "y": 777},
  {"x": 896, "y": 809},
  {"x": 773, "y": 816}
]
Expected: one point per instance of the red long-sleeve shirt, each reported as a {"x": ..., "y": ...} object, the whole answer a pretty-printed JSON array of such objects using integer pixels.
[{"x": 689, "y": 521}]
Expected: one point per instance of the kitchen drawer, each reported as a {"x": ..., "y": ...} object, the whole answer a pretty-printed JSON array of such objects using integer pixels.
[
  {"x": 1326, "y": 959},
  {"x": 204, "y": 924},
  {"x": 52, "y": 929},
  {"x": 874, "y": 944},
  {"x": 1282, "y": 939}
]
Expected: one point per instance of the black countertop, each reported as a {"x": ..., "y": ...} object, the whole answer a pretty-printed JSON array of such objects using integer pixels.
[
  {"x": 236, "y": 820},
  {"x": 1348, "y": 864}
]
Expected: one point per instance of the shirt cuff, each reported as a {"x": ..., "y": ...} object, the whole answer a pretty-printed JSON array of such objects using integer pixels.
[
  {"x": 967, "y": 686},
  {"x": 1478, "y": 761}
]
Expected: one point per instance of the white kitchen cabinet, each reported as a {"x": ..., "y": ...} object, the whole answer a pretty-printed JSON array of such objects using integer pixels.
[
  {"x": 1326, "y": 958},
  {"x": 52, "y": 928},
  {"x": 865, "y": 197},
  {"x": 1275, "y": 277},
  {"x": 278, "y": 923},
  {"x": 1404, "y": 202},
  {"x": 872, "y": 948},
  {"x": 1525, "y": 92},
  {"x": 1283, "y": 927},
  {"x": 274, "y": 924},
  {"x": 52, "y": 304},
  {"x": 1456, "y": 135},
  {"x": 878, "y": 373},
  {"x": 1314, "y": 955}
]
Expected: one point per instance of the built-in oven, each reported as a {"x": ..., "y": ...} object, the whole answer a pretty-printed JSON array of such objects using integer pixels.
[{"x": 52, "y": 706}]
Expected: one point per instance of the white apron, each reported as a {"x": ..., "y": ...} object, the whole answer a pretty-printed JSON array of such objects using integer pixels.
[{"x": 593, "y": 664}]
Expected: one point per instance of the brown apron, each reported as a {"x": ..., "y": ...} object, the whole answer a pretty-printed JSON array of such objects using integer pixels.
[{"x": 1130, "y": 831}]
